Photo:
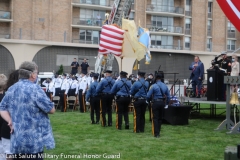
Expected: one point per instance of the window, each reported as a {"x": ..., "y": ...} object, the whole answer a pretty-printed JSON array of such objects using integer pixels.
[
  {"x": 89, "y": 36},
  {"x": 158, "y": 21},
  {"x": 231, "y": 45},
  {"x": 131, "y": 16},
  {"x": 188, "y": 5},
  {"x": 210, "y": 7},
  {"x": 163, "y": 2},
  {"x": 91, "y": 17},
  {"x": 165, "y": 42},
  {"x": 188, "y": 23},
  {"x": 231, "y": 27},
  {"x": 187, "y": 42},
  {"x": 209, "y": 43},
  {"x": 209, "y": 25}
]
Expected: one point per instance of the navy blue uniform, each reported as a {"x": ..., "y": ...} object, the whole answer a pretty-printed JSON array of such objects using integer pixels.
[
  {"x": 74, "y": 66},
  {"x": 122, "y": 91},
  {"x": 139, "y": 93},
  {"x": 104, "y": 88},
  {"x": 158, "y": 92},
  {"x": 94, "y": 102},
  {"x": 84, "y": 67}
]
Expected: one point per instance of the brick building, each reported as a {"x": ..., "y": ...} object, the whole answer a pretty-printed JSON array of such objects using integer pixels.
[{"x": 52, "y": 32}]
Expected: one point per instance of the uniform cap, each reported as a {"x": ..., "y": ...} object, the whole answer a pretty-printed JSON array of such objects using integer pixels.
[
  {"x": 223, "y": 52},
  {"x": 123, "y": 73},
  {"x": 108, "y": 71},
  {"x": 159, "y": 75},
  {"x": 65, "y": 74},
  {"x": 95, "y": 75},
  {"x": 141, "y": 73},
  {"x": 150, "y": 74}
]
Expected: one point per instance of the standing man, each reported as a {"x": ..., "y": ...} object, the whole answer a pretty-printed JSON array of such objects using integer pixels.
[
  {"x": 122, "y": 91},
  {"x": 196, "y": 76},
  {"x": 82, "y": 87},
  {"x": 104, "y": 88},
  {"x": 139, "y": 93},
  {"x": 225, "y": 67},
  {"x": 27, "y": 112},
  {"x": 75, "y": 66},
  {"x": 94, "y": 100},
  {"x": 50, "y": 90},
  {"x": 63, "y": 93},
  {"x": 160, "y": 93},
  {"x": 57, "y": 82},
  {"x": 150, "y": 81},
  {"x": 84, "y": 67}
]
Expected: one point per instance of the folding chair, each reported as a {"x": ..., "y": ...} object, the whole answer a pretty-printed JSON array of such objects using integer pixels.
[
  {"x": 71, "y": 102},
  {"x": 56, "y": 100}
]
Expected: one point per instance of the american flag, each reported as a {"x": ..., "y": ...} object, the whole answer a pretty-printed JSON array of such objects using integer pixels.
[{"x": 111, "y": 40}]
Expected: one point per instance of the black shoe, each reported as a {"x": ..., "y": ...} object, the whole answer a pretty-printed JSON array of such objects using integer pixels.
[
  {"x": 93, "y": 122},
  {"x": 110, "y": 124},
  {"x": 198, "y": 96},
  {"x": 119, "y": 128},
  {"x": 127, "y": 126},
  {"x": 138, "y": 131},
  {"x": 157, "y": 136},
  {"x": 97, "y": 122}
]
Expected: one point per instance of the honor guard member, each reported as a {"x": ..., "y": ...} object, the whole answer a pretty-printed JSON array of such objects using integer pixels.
[
  {"x": 94, "y": 100},
  {"x": 150, "y": 81},
  {"x": 139, "y": 94},
  {"x": 225, "y": 67},
  {"x": 84, "y": 67},
  {"x": 75, "y": 66},
  {"x": 57, "y": 85},
  {"x": 160, "y": 98},
  {"x": 82, "y": 87},
  {"x": 50, "y": 90},
  {"x": 63, "y": 93},
  {"x": 122, "y": 91},
  {"x": 104, "y": 88},
  {"x": 72, "y": 89}
]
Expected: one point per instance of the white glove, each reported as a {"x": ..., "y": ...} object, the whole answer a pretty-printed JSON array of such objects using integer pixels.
[
  {"x": 146, "y": 102},
  {"x": 87, "y": 103},
  {"x": 166, "y": 107}
]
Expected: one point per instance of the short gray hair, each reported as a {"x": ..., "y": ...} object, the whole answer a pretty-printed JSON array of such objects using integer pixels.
[
  {"x": 26, "y": 68},
  {"x": 3, "y": 82}
]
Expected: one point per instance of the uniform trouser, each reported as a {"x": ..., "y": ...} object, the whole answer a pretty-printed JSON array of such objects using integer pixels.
[
  {"x": 57, "y": 91},
  {"x": 150, "y": 111},
  {"x": 95, "y": 107},
  {"x": 139, "y": 115},
  {"x": 122, "y": 110},
  {"x": 63, "y": 102},
  {"x": 81, "y": 101},
  {"x": 157, "y": 116},
  {"x": 106, "y": 108},
  {"x": 71, "y": 92},
  {"x": 197, "y": 83}
]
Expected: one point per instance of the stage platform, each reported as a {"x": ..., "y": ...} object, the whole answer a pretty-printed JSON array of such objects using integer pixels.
[{"x": 196, "y": 103}]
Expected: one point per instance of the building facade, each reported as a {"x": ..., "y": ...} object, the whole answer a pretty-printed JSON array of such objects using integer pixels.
[{"x": 53, "y": 32}]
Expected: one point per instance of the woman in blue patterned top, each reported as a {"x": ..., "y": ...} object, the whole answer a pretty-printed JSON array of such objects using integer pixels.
[{"x": 26, "y": 107}]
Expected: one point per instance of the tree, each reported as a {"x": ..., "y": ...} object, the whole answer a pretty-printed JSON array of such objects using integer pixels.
[{"x": 60, "y": 71}]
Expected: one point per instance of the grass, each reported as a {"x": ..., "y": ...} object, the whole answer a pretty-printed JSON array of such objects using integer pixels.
[{"x": 74, "y": 135}]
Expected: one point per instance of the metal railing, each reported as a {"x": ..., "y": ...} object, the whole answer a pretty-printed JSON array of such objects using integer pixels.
[
  {"x": 5, "y": 15},
  {"x": 176, "y": 47},
  {"x": 171, "y": 29},
  {"x": 170, "y": 9},
  {"x": 188, "y": 13},
  {"x": 88, "y": 21},
  {"x": 5, "y": 36},
  {"x": 209, "y": 15},
  {"x": 231, "y": 34},
  {"x": 188, "y": 31},
  {"x": 107, "y": 3},
  {"x": 84, "y": 41}
]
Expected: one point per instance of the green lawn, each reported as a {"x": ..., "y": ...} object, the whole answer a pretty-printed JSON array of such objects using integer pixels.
[{"x": 74, "y": 135}]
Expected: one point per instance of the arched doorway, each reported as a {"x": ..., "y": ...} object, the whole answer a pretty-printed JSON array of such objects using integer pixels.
[
  {"x": 50, "y": 58},
  {"x": 7, "y": 63}
]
